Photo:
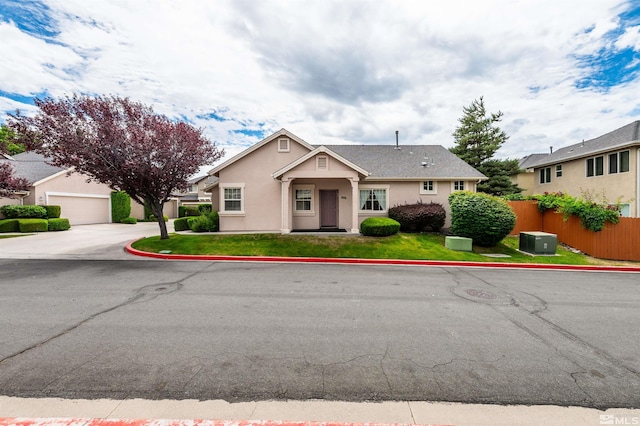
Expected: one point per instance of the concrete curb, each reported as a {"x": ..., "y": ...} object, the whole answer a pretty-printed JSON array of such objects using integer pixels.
[
  {"x": 170, "y": 422},
  {"x": 354, "y": 261}
]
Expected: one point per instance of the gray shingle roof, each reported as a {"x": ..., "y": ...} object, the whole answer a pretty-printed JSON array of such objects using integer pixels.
[
  {"x": 385, "y": 161},
  {"x": 32, "y": 166},
  {"x": 619, "y": 138},
  {"x": 526, "y": 162}
]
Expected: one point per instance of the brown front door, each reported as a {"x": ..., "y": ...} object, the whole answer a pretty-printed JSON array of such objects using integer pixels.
[{"x": 328, "y": 209}]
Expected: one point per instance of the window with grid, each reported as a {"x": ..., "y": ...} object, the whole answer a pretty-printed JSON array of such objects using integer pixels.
[
  {"x": 303, "y": 200},
  {"x": 559, "y": 170},
  {"x": 373, "y": 199},
  {"x": 458, "y": 185},
  {"x": 232, "y": 199},
  {"x": 428, "y": 187}
]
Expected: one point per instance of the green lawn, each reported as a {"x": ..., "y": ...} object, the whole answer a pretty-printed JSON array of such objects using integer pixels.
[{"x": 400, "y": 246}]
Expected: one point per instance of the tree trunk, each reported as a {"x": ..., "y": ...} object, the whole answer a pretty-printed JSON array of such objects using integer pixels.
[{"x": 157, "y": 208}]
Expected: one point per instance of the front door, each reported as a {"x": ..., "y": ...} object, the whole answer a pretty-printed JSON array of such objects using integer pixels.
[{"x": 328, "y": 209}]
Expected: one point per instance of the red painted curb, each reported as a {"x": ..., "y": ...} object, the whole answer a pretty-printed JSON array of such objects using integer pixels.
[
  {"x": 354, "y": 261},
  {"x": 19, "y": 421}
]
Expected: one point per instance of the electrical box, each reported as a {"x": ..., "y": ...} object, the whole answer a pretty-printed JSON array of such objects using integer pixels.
[
  {"x": 538, "y": 242},
  {"x": 458, "y": 243}
]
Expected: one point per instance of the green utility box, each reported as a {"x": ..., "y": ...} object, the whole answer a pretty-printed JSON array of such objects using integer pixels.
[
  {"x": 538, "y": 242},
  {"x": 458, "y": 243}
]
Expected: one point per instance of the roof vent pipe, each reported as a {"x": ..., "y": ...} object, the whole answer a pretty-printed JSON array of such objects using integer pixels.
[
  {"x": 397, "y": 147},
  {"x": 551, "y": 149}
]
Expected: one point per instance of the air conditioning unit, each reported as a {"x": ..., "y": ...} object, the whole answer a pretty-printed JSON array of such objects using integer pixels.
[{"x": 538, "y": 242}]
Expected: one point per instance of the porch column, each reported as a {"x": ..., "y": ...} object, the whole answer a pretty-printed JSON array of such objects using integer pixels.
[
  {"x": 355, "y": 205},
  {"x": 286, "y": 205}
]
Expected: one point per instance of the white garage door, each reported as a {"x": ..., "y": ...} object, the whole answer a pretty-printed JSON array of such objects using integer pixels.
[{"x": 82, "y": 209}]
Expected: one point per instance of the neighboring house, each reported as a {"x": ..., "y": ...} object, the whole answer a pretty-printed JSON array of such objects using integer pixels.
[
  {"x": 525, "y": 179},
  {"x": 196, "y": 193},
  {"x": 81, "y": 202},
  {"x": 605, "y": 166},
  {"x": 284, "y": 184}
]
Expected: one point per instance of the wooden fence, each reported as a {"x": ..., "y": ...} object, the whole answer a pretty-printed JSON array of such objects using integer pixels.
[{"x": 617, "y": 242}]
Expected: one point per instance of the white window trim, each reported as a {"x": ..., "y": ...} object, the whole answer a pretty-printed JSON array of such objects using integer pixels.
[
  {"x": 434, "y": 191},
  {"x": 605, "y": 163},
  {"x": 558, "y": 169},
  {"x": 543, "y": 171},
  {"x": 288, "y": 148},
  {"x": 311, "y": 212},
  {"x": 453, "y": 185},
  {"x": 374, "y": 212},
  {"x": 618, "y": 162},
  {"x": 222, "y": 211}
]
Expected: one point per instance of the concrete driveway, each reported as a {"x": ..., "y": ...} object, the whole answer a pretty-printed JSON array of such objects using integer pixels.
[{"x": 102, "y": 241}]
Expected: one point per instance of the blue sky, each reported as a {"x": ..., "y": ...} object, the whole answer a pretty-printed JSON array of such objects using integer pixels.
[{"x": 348, "y": 71}]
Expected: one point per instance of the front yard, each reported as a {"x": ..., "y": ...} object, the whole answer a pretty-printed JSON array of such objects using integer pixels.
[{"x": 399, "y": 246}]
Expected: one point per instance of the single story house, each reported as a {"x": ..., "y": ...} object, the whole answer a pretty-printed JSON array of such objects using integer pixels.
[
  {"x": 608, "y": 166},
  {"x": 284, "y": 184},
  {"x": 81, "y": 202}
]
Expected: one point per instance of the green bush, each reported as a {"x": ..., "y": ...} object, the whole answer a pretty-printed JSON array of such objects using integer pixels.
[
  {"x": 129, "y": 220},
  {"x": 181, "y": 224},
  {"x": 120, "y": 206},
  {"x": 53, "y": 212},
  {"x": 418, "y": 217},
  {"x": 482, "y": 217},
  {"x": 9, "y": 225},
  {"x": 191, "y": 211},
  {"x": 33, "y": 225},
  {"x": 23, "y": 212},
  {"x": 205, "y": 208},
  {"x": 181, "y": 210},
  {"x": 58, "y": 224},
  {"x": 204, "y": 223},
  {"x": 379, "y": 227},
  {"x": 593, "y": 215}
]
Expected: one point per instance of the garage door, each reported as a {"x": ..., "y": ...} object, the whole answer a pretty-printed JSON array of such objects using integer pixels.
[{"x": 82, "y": 209}]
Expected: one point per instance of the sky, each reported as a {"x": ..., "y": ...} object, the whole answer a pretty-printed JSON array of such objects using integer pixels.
[{"x": 336, "y": 72}]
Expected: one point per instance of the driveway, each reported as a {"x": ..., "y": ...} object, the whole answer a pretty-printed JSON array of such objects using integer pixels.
[{"x": 101, "y": 241}]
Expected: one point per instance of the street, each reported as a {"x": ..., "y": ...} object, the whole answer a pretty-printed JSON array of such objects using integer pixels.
[{"x": 256, "y": 331}]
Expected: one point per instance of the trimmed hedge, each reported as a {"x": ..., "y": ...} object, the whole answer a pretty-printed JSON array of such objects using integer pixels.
[
  {"x": 59, "y": 224},
  {"x": 53, "y": 212},
  {"x": 181, "y": 224},
  {"x": 15, "y": 211},
  {"x": 418, "y": 217},
  {"x": 204, "y": 223},
  {"x": 181, "y": 211},
  {"x": 33, "y": 225},
  {"x": 191, "y": 211},
  {"x": 120, "y": 206},
  {"x": 379, "y": 227},
  {"x": 9, "y": 225},
  {"x": 482, "y": 217},
  {"x": 129, "y": 220},
  {"x": 205, "y": 208}
]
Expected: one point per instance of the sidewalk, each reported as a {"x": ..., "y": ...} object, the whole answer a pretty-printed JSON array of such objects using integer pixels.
[{"x": 305, "y": 412}]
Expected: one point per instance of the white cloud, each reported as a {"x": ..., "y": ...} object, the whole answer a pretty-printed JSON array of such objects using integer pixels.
[{"x": 334, "y": 71}]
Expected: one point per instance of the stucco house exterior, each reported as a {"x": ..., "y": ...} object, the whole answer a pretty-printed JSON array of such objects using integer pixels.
[
  {"x": 284, "y": 184},
  {"x": 195, "y": 193},
  {"x": 607, "y": 165},
  {"x": 525, "y": 179},
  {"x": 81, "y": 202}
]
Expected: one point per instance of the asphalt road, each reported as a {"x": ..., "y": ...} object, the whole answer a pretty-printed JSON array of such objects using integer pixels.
[{"x": 251, "y": 331}]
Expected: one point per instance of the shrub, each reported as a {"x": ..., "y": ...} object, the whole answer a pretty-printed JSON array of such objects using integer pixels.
[
  {"x": 129, "y": 220},
  {"x": 23, "y": 212},
  {"x": 120, "y": 206},
  {"x": 379, "y": 227},
  {"x": 33, "y": 225},
  {"x": 417, "y": 217},
  {"x": 181, "y": 210},
  {"x": 58, "y": 224},
  {"x": 484, "y": 218},
  {"x": 9, "y": 225},
  {"x": 181, "y": 224},
  {"x": 53, "y": 212},
  {"x": 205, "y": 208},
  {"x": 204, "y": 223},
  {"x": 593, "y": 215},
  {"x": 191, "y": 211}
]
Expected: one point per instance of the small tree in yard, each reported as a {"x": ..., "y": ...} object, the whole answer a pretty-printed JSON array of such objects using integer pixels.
[
  {"x": 9, "y": 182},
  {"x": 120, "y": 143}
]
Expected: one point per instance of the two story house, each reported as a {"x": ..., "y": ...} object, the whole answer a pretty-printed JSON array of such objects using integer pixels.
[
  {"x": 604, "y": 166},
  {"x": 284, "y": 184}
]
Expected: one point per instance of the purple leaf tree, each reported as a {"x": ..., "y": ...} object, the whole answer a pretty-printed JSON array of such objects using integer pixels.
[
  {"x": 9, "y": 182},
  {"x": 120, "y": 143}
]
